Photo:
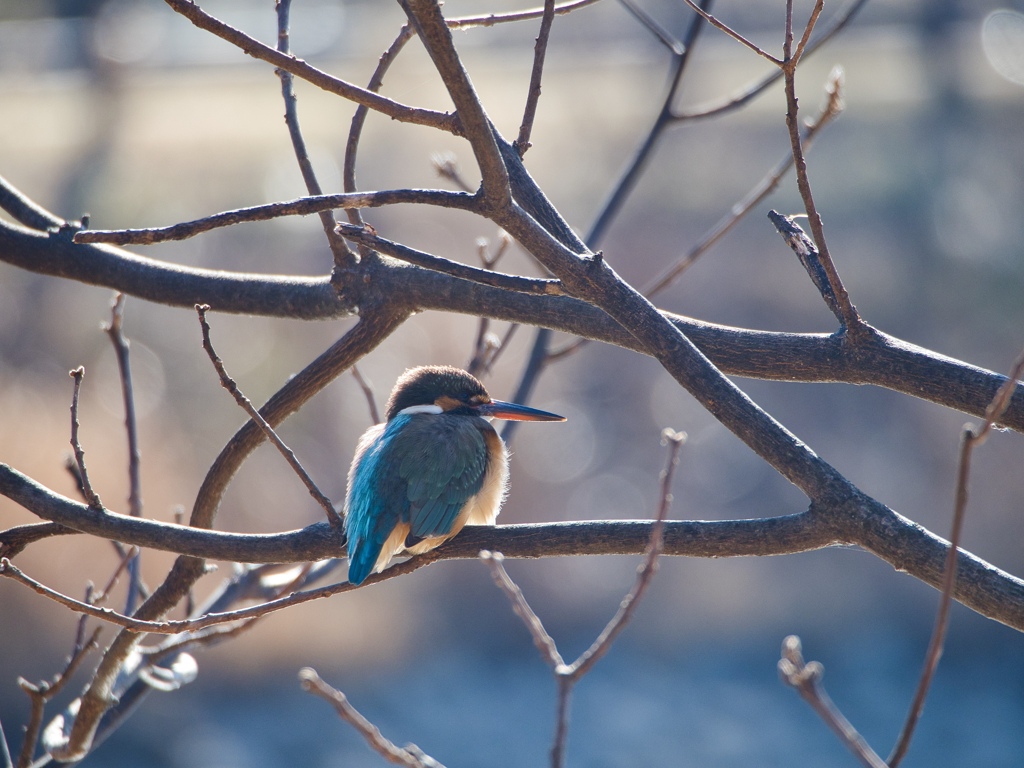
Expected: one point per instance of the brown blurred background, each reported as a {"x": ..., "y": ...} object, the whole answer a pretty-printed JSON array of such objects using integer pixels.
[{"x": 123, "y": 110}]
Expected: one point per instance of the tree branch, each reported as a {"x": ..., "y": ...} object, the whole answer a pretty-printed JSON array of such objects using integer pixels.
[
  {"x": 301, "y": 207},
  {"x": 881, "y": 360},
  {"x": 311, "y": 74},
  {"x": 902, "y": 543}
]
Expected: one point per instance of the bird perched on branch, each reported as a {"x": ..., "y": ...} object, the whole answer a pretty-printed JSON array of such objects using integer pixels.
[{"x": 434, "y": 466}]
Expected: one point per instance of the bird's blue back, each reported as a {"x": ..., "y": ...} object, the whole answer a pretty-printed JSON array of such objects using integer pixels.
[{"x": 420, "y": 470}]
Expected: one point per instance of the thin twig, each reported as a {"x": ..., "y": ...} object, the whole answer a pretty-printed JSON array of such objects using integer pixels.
[
  {"x": 674, "y": 440},
  {"x": 303, "y": 206},
  {"x": 567, "y": 675},
  {"x": 172, "y": 627},
  {"x": 484, "y": 346},
  {"x": 533, "y": 96},
  {"x": 665, "y": 37},
  {"x": 228, "y": 383},
  {"x": 819, "y": 5},
  {"x": 90, "y": 495},
  {"x": 500, "y": 347},
  {"x": 121, "y": 351},
  {"x": 410, "y": 756},
  {"x": 832, "y": 108},
  {"x": 487, "y": 346},
  {"x": 371, "y": 400},
  {"x": 364, "y": 236},
  {"x": 631, "y": 175},
  {"x": 355, "y": 130},
  {"x": 343, "y": 256},
  {"x": 806, "y": 678},
  {"x": 5, "y": 750},
  {"x": 971, "y": 438},
  {"x": 750, "y": 92},
  {"x": 847, "y": 313},
  {"x": 305, "y": 71},
  {"x": 538, "y": 359},
  {"x": 40, "y": 693},
  {"x": 491, "y": 19},
  {"x": 130, "y": 555},
  {"x": 447, "y": 166},
  {"x": 732, "y": 33},
  {"x": 544, "y": 642}
]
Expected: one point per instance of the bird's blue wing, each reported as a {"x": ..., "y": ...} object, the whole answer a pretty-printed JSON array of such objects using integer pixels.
[
  {"x": 444, "y": 459},
  {"x": 376, "y": 503},
  {"x": 420, "y": 469}
]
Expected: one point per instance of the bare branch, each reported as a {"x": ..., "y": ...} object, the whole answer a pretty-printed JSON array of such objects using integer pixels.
[
  {"x": 490, "y": 19},
  {"x": 833, "y": 107},
  {"x": 371, "y": 400},
  {"x": 815, "y": 13},
  {"x": 750, "y": 92},
  {"x": 25, "y": 210},
  {"x": 881, "y": 359},
  {"x": 301, "y": 207},
  {"x": 809, "y": 257},
  {"x": 343, "y": 257},
  {"x": 732, "y": 33},
  {"x": 665, "y": 37},
  {"x": 806, "y": 678},
  {"x": 430, "y": 25},
  {"x": 41, "y": 693},
  {"x": 121, "y": 351},
  {"x": 533, "y": 97},
  {"x": 229, "y": 384},
  {"x": 311, "y": 74},
  {"x": 847, "y": 312},
  {"x": 365, "y": 236},
  {"x": 410, "y": 756},
  {"x": 94, "y": 500},
  {"x": 980, "y": 586},
  {"x": 545, "y": 644},
  {"x": 173, "y": 627},
  {"x": 971, "y": 438},
  {"x": 14, "y": 540},
  {"x": 627, "y": 181},
  {"x": 674, "y": 440}
]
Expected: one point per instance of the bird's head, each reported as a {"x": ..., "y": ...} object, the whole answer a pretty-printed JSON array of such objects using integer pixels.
[{"x": 444, "y": 389}]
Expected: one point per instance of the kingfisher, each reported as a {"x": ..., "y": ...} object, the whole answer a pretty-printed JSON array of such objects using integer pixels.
[{"x": 435, "y": 465}]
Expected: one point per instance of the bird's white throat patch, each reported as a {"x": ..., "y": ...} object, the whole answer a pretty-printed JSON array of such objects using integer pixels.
[{"x": 431, "y": 408}]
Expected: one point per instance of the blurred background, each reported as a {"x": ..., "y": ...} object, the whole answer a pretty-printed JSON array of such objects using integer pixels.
[{"x": 124, "y": 110}]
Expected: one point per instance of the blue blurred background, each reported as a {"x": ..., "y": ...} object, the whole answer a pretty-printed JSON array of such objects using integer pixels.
[{"x": 123, "y": 110}]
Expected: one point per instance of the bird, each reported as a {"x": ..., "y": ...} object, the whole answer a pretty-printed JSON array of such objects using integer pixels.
[{"x": 433, "y": 466}]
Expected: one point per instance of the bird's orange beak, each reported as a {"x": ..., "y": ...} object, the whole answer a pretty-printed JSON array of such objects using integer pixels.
[{"x": 513, "y": 412}]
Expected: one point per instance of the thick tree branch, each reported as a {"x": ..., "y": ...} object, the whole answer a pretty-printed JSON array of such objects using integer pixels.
[
  {"x": 881, "y": 359},
  {"x": 426, "y": 18},
  {"x": 902, "y": 543}
]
